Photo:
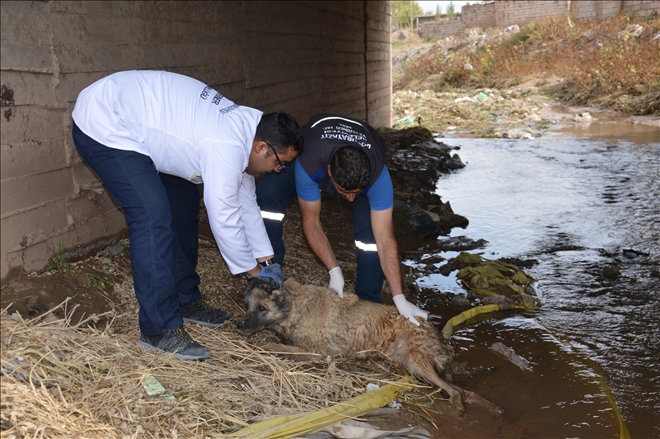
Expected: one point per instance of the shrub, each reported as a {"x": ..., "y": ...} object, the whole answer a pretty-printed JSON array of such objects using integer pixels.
[{"x": 594, "y": 58}]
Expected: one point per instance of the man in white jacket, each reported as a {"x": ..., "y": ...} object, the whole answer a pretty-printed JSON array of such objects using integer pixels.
[{"x": 152, "y": 137}]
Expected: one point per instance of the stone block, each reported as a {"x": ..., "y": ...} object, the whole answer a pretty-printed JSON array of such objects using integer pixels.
[
  {"x": 70, "y": 84},
  {"x": 218, "y": 14},
  {"x": 99, "y": 227},
  {"x": 348, "y": 9},
  {"x": 37, "y": 255},
  {"x": 92, "y": 8},
  {"x": 84, "y": 177},
  {"x": 25, "y": 42},
  {"x": 89, "y": 205},
  {"x": 94, "y": 57},
  {"x": 31, "y": 124},
  {"x": 235, "y": 90},
  {"x": 30, "y": 260},
  {"x": 30, "y": 158},
  {"x": 275, "y": 18},
  {"x": 380, "y": 117},
  {"x": 31, "y": 88},
  {"x": 10, "y": 267},
  {"x": 344, "y": 24},
  {"x": 272, "y": 95},
  {"x": 379, "y": 100},
  {"x": 30, "y": 192},
  {"x": 72, "y": 29},
  {"x": 342, "y": 83},
  {"x": 27, "y": 228}
]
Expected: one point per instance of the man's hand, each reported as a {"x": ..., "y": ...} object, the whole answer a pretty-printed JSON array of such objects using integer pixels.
[
  {"x": 337, "y": 281},
  {"x": 273, "y": 272},
  {"x": 408, "y": 310}
]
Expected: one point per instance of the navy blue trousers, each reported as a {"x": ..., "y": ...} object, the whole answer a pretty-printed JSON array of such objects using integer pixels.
[
  {"x": 162, "y": 213},
  {"x": 275, "y": 191}
]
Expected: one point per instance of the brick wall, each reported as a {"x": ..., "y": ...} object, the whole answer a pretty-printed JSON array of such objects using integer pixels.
[
  {"x": 523, "y": 12},
  {"x": 479, "y": 15},
  {"x": 300, "y": 57},
  {"x": 599, "y": 9},
  {"x": 641, "y": 8},
  {"x": 441, "y": 28},
  {"x": 587, "y": 9},
  {"x": 504, "y": 13}
]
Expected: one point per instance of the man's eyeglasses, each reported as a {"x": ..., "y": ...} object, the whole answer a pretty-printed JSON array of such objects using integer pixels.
[{"x": 281, "y": 165}]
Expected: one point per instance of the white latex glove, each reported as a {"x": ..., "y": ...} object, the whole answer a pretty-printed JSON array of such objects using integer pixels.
[
  {"x": 337, "y": 281},
  {"x": 408, "y": 310}
]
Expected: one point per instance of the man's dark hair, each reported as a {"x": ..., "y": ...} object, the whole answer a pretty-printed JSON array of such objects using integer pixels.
[
  {"x": 351, "y": 168},
  {"x": 280, "y": 130}
]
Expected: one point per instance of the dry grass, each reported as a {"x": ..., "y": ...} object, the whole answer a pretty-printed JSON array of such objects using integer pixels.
[
  {"x": 595, "y": 59},
  {"x": 61, "y": 380}
]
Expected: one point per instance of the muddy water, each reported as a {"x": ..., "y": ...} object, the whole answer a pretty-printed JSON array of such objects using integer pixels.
[{"x": 575, "y": 201}]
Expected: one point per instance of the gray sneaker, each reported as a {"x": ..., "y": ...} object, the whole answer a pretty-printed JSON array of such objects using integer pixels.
[
  {"x": 177, "y": 341},
  {"x": 201, "y": 313}
]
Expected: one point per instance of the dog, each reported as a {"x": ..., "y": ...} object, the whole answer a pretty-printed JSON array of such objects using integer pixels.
[{"x": 315, "y": 319}]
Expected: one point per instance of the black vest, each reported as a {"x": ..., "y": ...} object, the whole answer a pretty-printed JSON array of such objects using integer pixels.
[{"x": 324, "y": 133}]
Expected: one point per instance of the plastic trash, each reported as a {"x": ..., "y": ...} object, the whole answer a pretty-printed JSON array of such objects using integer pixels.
[
  {"x": 363, "y": 430},
  {"x": 405, "y": 121},
  {"x": 153, "y": 387},
  {"x": 306, "y": 423}
]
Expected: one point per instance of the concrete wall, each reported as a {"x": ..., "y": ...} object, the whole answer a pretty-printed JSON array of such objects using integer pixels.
[
  {"x": 301, "y": 57},
  {"x": 441, "y": 28},
  {"x": 479, "y": 15},
  {"x": 523, "y": 12},
  {"x": 378, "y": 62},
  {"x": 504, "y": 13},
  {"x": 599, "y": 9}
]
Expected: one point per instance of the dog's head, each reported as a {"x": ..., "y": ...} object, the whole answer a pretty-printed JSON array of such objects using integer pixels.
[{"x": 266, "y": 307}]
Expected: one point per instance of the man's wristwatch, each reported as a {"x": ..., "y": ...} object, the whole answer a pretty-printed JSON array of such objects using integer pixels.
[{"x": 270, "y": 261}]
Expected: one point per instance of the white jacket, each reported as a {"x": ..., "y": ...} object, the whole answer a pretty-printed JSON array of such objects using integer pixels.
[{"x": 191, "y": 131}]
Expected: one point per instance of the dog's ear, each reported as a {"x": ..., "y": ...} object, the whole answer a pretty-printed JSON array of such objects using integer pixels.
[
  {"x": 264, "y": 283},
  {"x": 277, "y": 296},
  {"x": 281, "y": 298}
]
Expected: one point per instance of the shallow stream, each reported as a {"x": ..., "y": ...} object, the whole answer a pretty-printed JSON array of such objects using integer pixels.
[{"x": 584, "y": 202}]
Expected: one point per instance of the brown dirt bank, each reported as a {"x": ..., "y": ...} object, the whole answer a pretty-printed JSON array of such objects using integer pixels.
[{"x": 524, "y": 72}]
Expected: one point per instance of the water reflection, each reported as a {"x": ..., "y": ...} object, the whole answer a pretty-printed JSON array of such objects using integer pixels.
[
  {"x": 575, "y": 203},
  {"x": 560, "y": 397}
]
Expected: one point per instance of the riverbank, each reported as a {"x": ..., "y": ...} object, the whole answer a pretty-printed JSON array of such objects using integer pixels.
[
  {"x": 609, "y": 64},
  {"x": 522, "y": 101}
]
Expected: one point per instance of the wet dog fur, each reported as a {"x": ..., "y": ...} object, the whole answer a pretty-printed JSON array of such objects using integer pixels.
[{"x": 315, "y": 319}]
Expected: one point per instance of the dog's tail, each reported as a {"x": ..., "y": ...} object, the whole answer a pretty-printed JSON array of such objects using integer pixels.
[
  {"x": 426, "y": 357},
  {"x": 431, "y": 361}
]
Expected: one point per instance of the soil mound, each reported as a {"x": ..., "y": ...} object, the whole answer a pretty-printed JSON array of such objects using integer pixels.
[{"x": 405, "y": 36}]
